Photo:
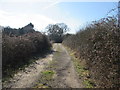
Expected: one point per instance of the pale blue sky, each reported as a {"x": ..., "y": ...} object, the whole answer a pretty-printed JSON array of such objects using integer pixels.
[{"x": 74, "y": 14}]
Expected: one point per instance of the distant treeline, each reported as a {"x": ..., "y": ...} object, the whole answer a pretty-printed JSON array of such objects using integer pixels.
[
  {"x": 18, "y": 45},
  {"x": 99, "y": 45},
  {"x": 17, "y": 32}
]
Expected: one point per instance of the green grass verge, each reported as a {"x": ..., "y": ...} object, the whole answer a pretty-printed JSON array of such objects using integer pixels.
[{"x": 81, "y": 70}]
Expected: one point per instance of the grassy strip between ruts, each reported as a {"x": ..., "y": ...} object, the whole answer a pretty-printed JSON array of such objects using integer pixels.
[
  {"x": 46, "y": 76},
  {"x": 81, "y": 69}
]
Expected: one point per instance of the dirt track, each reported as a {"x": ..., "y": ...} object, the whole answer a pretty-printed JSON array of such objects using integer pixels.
[{"x": 59, "y": 61}]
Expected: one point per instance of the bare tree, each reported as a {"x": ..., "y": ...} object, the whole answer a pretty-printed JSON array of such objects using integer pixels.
[{"x": 56, "y": 31}]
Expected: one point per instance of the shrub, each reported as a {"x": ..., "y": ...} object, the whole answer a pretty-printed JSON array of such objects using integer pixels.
[
  {"x": 17, "y": 49},
  {"x": 99, "y": 45}
]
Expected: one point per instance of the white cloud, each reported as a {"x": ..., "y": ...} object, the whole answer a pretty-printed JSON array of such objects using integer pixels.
[
  {"x": 20, "y": 20},
  {"x": 74, "y": 26},
  {"x": 52, "y": 4},
  {"x": 72, "y": 23}
]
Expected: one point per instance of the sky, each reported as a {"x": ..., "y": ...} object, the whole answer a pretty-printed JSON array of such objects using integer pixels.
[{"x": 18, "y": 13}]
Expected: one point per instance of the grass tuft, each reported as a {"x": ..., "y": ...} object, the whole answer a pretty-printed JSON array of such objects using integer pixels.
[{"x": 47, "y": 75}]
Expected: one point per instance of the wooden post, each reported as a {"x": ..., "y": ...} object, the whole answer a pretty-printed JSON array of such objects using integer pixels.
[{"x": 119, "y": 14}]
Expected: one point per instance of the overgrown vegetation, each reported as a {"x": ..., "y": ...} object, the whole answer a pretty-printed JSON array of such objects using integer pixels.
[
  {"x": 17, "y": 50},
  {"x": 99, "y": 45}
]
